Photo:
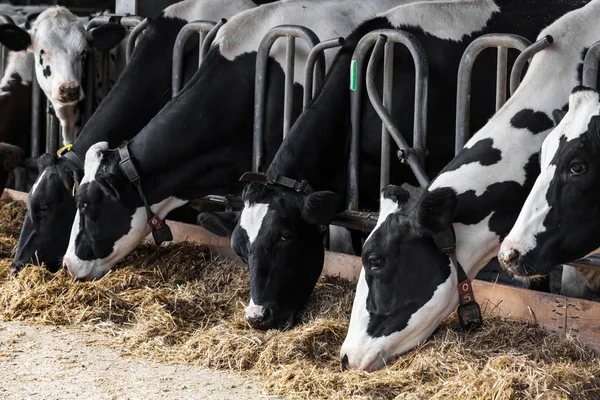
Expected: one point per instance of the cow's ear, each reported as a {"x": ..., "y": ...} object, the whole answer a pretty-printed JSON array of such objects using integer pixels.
[
  {"x": 105, "y": 37},
  {"x": 220, "y": 223},
  {"x": 319, "y": 208},
  {"x": 436, "y": 210},
  {"x": 558, "y": 115},
  {"x": 14, "y": 37}
]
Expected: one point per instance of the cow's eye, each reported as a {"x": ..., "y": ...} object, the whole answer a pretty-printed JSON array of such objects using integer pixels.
[
  {"x": 578, "y": 168},
  {"x": 376, "y": 263},
  {"x": 286, "y": 235},
  {"x": 81, "y": 205},
  {"x": 44, "y": 207}
]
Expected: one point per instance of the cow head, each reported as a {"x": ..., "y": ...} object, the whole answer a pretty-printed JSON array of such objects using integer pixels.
[
  {"x": 110, "y": 220},
  {"x": 50, "y": 211},
  {"x": 560, "y": 220},
  {"x": 406, "y": 286},
  {"x": 59, "y": 43},
  {"x": 279, "y": 235}
]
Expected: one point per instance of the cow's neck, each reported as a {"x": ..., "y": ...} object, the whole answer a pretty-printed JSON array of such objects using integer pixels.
[{"x": 141, "y": 91}]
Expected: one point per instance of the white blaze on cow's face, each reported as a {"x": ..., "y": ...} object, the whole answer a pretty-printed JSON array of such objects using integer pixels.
[
  {"x": 105, "y": 229},
  {"x": 558, "y": 220},
  {"x": 407, "y": 286}
]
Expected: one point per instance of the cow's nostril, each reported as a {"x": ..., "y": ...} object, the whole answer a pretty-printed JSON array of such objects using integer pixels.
[
  {"x": 509, "y": 256},
  {"x": 345, "y": 363}
]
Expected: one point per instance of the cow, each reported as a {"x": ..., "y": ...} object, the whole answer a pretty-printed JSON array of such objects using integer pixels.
[
  {"x": 200, "y": 143},
  {"x": 59, "y": 42},
  {"x": 558, "y": 222},
  {"x": 283, "y": 248},
  {"x": 408, "y": 284},
  {"x": 125, "y": 111}
]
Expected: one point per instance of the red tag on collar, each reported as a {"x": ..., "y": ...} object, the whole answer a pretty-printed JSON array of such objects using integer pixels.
[
  {"x": 156, "y": 223},
  {"x": 465, "y": 292}
]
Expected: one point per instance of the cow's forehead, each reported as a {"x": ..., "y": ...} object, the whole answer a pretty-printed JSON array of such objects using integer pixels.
[{"x": 583, "y": 106}]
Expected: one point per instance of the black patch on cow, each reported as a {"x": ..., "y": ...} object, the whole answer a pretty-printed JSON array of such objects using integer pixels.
[
  {"x": 41, "y": 58},
  {"x": 534, "y": 121},
  {"x": 482, "y": 152},
  {"x": 47, "y": 71}
]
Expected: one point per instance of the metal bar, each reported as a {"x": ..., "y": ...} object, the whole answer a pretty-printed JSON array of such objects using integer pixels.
[
  {"x": 312, "y": 82},
  {"x": 501, "y": 74},
  {"x": 212, "y": 34},
  {"x": 388, "y": 92},
  {"x": 590, "y": 66},
  {"x": 410, "y": 155},
  {"x": 105, "y": 73},
  {"x": 178, "y": 57},
  {"x": 52, "y": 131},
  {"x": 133, "y": 35},
  {"x": 36, "y": 129},
  {"x": 202, "y": 37},
  {"x": 128, "y": 21},
  {"x": 260, "y": 90},
  {"x": 288, "y": 94},
  {"x": 523, "y": 59},
  {"x": 90, "y": 85},
  {"x": 6, "y": 19},
  {"x": 465, "y": 69}
]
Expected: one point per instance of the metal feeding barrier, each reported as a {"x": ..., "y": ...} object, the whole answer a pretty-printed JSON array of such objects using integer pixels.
[
  {"x": 207, "y": 31},
  {"x": 502, "y": 42},
  {"x": 315, "y": 60},
  {"x": 590, "y": 66}
]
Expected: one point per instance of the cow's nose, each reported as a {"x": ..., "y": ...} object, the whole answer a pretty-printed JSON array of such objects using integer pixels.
[
  {"x": 16, "y": 267},
  {"x": 345, "y": 363},
  {"x": 508, "y": 255},
  {"x": 260, "y": 320},
  {"x": 69, "y": 92}
]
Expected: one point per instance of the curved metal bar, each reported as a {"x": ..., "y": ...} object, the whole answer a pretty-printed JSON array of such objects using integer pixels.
[
  {"x": 312, "y": 82},
  {"x": 210, "y": 37},
  {"x": 524, "y": 57},
  {"x": 590, "y": 66},
  {"x": 135, "y": 32},
  {"x": 411, "y": 155},
  {"x": 260, "y": 91},
  {"x": 128, "y": 21},
  {"x": 465, "y": 69},
  {"x": 6, "y": 19},
  {"x": 184, "y": 34}
]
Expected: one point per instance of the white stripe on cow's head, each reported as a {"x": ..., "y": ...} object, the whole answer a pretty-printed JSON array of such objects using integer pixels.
[
  {"x": 558, "y": 220},
  {"x": 251, "y": 219}
]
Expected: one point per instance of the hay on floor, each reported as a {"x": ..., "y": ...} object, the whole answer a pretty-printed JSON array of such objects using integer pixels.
[{"x": 181, "y": 304}]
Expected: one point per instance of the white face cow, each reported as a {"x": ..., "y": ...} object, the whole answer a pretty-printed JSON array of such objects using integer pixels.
[
  {"x": 560, "y": 221},
  {"x": 59, "y": 43}
]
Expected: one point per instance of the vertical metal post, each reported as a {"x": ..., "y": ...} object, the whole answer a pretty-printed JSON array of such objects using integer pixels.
[
  {"x": 202, "y": 38},
  {"x": 105, "y": 73},
  {"x": 501, "y": 73},
  {"x": 388, "y": 92},
  {"x": 36, "y": 110},
  {"x": 52, "y": 130},
  {"x": 590, "y": 66},
  {"x": 288, "y": 100}
]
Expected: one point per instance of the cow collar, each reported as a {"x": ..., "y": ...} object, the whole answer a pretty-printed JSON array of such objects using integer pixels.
[
  {"x": 68, "y": 153},
  {"x": 160, "y": 231},
  {"x": 299, "y": 186},
  {"x": 469, "y": 313}
]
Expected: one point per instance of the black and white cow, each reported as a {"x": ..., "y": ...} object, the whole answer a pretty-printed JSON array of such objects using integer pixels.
[
  {"x": 407, "y": 285},
  {"x": 142, "y": 90},
  {"x": 559, "y": 220},
  {"x": 59, "y": 41},
  {"x": 201, "y": 142},
  {"x": 282, "y": 246}
]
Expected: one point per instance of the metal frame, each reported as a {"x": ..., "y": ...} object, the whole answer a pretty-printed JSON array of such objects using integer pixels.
[
  {"x": 207, "y": 31},
  {"x": 315, "y": 59},
  {"x": 4, "y": 19},
  {"x": 590, "y": 66}
]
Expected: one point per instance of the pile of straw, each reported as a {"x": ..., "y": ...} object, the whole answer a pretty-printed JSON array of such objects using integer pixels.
[{"x": 181, "y": 304}]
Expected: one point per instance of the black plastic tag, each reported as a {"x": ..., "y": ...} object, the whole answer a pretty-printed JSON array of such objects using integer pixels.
[
  {"x": 162, "y": 235},
  {"x": 469, "y": 316}
]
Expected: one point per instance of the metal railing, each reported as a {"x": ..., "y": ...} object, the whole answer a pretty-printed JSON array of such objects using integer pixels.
[
  {"x": 207, "y": 30},
  {"x": 590, "y": 66},
  {"x": 315, "y": 61}
]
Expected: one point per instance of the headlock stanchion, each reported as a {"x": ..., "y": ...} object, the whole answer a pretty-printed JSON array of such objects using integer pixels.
[
  {"x": 463, "y": 92},
  {"x": 207, "y": 31},
  {"x": 312, "y": 82},
  {"x": 291, "y": 33},
  {"x": 523, "y": 59},
  {"x": 384, "y": 40},
  {"x": 133, "y": 35},
  {"x": 590, "y": 66}
]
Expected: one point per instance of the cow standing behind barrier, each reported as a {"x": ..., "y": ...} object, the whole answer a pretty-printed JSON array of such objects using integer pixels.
[
  {"x": 407, "y": 285},
  {"x": 201, "y": 142},
  {"x": 142, "y": 90},
  {"x": 59, "y": 42},
  {"x": 280, "y": 241},
  {"x": 559, "y": 220}
]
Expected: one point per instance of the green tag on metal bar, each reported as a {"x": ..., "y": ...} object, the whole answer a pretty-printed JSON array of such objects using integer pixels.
[{"x": 353, "y": 75}]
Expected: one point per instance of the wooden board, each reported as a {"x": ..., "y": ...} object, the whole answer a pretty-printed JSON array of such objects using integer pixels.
[{"x": 558, "y": 314}]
